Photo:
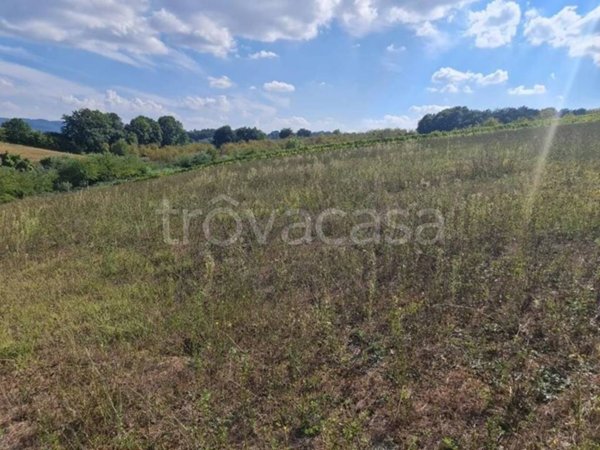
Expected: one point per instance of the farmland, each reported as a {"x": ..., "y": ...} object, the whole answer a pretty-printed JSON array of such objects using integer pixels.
[
  {"x": 32, "y": 153},
  {"x": 485, "y": 337}
]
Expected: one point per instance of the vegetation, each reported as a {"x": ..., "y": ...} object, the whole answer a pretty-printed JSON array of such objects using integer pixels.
[
  {"x": 33, "y": 153},
  {"x": 462, "y": 117},
  {"x": 110, "y": 338}
]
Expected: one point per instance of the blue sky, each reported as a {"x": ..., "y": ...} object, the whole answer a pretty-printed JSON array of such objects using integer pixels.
[{"x": 320, "y": 64}]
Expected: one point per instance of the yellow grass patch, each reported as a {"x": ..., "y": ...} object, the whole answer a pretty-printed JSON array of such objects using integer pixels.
[{"x": 32, "y": 153}]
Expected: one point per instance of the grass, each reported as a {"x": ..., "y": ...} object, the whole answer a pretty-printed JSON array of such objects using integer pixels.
[
  {"x": 32, "y": 153},
  {"x": 110, "y": 338}
]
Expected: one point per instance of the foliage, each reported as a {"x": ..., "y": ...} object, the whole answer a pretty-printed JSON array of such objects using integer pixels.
[
  {"x": 172, "y": 131},
  {"x": 92, "y": 131},
  {"x": 462, "y": 117},
  {"x": 249, "y": 134},
  {"x": 16, "y": 184},
  {"x": 16, "y": 162},
  {"x": 206, "y": 134},
  {"x": 95, "y": 169},
  {"x": 17, "y": 131},
  {"x": 286, "y": 133},
  {"x": 146, "y": 130},
  {"x": 223, "y": 136},
  {"x": 303, "y": 133}
]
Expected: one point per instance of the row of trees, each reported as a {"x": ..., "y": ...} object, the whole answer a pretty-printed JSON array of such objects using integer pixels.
[
  {"x": 89, "y": 131},
  {"x": 226, "y": 135},
  {"x": 92, "y": 131},
  {"x": 461, "y": 117}
]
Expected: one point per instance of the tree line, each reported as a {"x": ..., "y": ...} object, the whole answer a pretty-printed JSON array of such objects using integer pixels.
[
  {"x": 93, "y": 131},
  {"x": 461, "y": 117}
]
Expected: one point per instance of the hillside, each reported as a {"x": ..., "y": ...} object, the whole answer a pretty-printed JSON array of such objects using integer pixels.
[
  {"x": 469, "y": 321},
  {"x": 32, "y": 153},
  {"x": 41, "y": 125}
]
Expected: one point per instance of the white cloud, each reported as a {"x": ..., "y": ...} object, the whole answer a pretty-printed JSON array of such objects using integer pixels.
[
  {"x": 4, "y": 83},
  {"x": 427, "y": 109},
  {"x": 580, "y": 35},
  {"x": 393, "y": 48},
  {"x": 220, "y": 103},
  {"x": 263, "y": 54},
  {"x": 279, "y": 87},
  {"x": 496, "y": 25},
  {"x": 537, "y": 89},
  {"x": 405, "y": 121},
  {"x": 220, "y": 83},
  {"x": 389, "y": 121},
  {"x": 140, "y": 31},
  {"x": 453, "y": 81}
]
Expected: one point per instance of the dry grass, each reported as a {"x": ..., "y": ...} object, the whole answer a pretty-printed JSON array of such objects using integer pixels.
[
  {"x": 109, "y": 338},
  {"x": 32, "y": 153}
]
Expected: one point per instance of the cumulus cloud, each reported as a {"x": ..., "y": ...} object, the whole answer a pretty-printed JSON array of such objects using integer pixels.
[
  {"x": 139, "y": 31},
  {"x": 220, "y": 83},
  {"x": 405, "y": 121},
  {"x": 580, "y": 35},
  {"x": 279, "y": 87},
  {"x": 496, "y": 25},
  {"x": 390, "y": 121},
  {"x": 537, "y": 89},
  {"x": 427, "y": 109},
  {"x": 263, "y": 54},
  {"x": 453, "y": 81}
]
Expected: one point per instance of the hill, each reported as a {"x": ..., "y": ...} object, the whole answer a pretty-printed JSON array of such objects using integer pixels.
[
  {"x": 41, "y": 125},
  {"x": 431, "y": 293},
  {"x": 32, "y": 153}
]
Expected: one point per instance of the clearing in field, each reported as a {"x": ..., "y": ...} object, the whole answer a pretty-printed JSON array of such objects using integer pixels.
[
  {"x": 32, "y": 153},
  {"x": 118, "y": 332}
]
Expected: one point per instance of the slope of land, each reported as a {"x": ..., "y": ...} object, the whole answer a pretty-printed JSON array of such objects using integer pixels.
[
  {"x": 33, "y": 153},
  {"x": 111, "y": 337},
  {"x": 42, "y": 125}
]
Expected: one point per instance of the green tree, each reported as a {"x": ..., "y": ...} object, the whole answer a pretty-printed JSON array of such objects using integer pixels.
[
  {"x": 172, "y": 131},
  {"x": 223, "y": 136},
  {"x": 303, "y": 133},
  {"x": 286, "y": 133},
  {"x": 147, "y": 130},
  {"x": 17, "y": 131},
  {"x": 91, "y": 131},
  {"x": 249, "y": 134}
]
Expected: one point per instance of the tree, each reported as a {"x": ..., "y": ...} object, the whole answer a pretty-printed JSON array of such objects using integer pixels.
[
  {"x": 172, "y": 131},
  {"x": 205, "y": 134},
  {"x": 17, "y": 131},
  {"x": 92, "y": 131},
  {"x": 146, "y": 130},
  {"x": 249, "y": 134},
  {"x": 117, "y": 129},
  {"x": 286, "y": 133},
  {"x": 223, "y": 136},
  {"x": 304, "y": 133}
]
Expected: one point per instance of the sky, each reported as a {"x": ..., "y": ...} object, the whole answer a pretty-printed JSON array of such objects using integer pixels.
[{"x": 320, "y": 64}]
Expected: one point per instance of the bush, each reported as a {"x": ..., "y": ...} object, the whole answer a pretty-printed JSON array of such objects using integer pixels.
[
  {"x": 18, "y": 184},
  {"x": 94, "y": 169},
  {"x": 16, "y": 162}
]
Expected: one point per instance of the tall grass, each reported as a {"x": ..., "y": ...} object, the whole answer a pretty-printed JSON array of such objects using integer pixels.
[{"x": 110, "y": 338}]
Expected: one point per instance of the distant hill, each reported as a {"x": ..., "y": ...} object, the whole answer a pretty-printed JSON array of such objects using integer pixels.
[{"x": 42, "y": 125}]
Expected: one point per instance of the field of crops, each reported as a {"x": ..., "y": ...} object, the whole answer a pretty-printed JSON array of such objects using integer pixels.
[
  {"x": 432, "y": 293},
  {"x": 32, "y": 153}
]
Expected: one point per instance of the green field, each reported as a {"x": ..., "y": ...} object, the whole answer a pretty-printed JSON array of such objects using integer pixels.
[{"x": 486, "y": 338}]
